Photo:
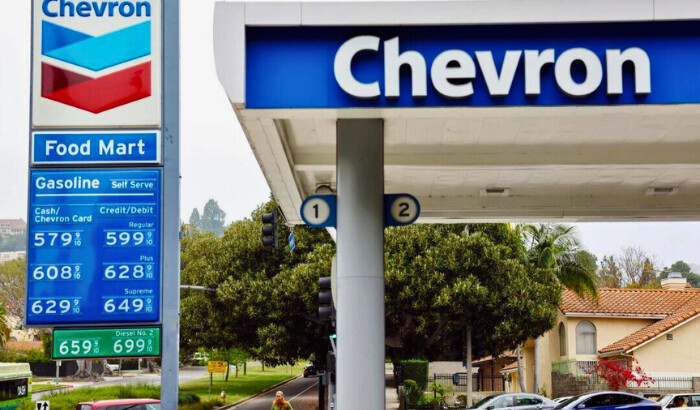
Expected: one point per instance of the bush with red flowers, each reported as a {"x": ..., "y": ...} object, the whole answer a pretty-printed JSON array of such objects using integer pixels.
[{"x": 619, "y": 373}]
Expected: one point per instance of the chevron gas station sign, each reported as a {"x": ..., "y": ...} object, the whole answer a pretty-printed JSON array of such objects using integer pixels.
[{"x": 96, "y": 64}]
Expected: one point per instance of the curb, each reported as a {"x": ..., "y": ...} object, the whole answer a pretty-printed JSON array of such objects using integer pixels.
[{"x": 247, "y": 399}]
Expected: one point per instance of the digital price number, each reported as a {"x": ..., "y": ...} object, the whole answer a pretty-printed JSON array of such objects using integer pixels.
[
  {"x": 79, "y": 347},
  {"x": 65, "y": 239},
  {"x": 129, "y": 238},
  {"x": 56, "y": 272},
  {"x": 128, "y": 305},
  {"x": 102, "y": 343},
  {"x": 55, "y": 306},
  {"x": 128, "y": 271}
]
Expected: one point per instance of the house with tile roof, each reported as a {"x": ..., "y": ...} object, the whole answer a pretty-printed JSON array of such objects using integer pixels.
[{"x": 657, "y": 327}]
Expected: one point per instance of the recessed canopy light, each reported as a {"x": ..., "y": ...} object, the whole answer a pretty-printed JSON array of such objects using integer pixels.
[
  {"x": 495, "y": 192},
  {"x": 660, "y": 191}
]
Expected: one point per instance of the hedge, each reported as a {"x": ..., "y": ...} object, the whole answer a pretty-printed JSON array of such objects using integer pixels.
[{"x": 416, "y": 370}]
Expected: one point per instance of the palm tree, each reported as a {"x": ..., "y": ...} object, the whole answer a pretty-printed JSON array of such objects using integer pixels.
[{"x": 556, "y": 247}]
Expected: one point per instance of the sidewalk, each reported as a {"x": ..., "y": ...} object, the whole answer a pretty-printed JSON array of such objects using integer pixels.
[{"x": 392, "y": 398}]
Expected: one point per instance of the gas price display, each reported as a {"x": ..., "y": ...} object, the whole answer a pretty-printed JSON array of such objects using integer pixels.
[
  {"x": 103, "y": 343},
  {"x": 94, "y": 252}
]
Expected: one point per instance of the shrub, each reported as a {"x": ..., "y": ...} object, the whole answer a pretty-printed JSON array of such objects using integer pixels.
[
  {"x": 188, "y": 398},
  {"x": 462, "y": 400},
  {"x": 413, "y": 391},
  {"x": 440, "y": 390},
  {"x": 618, "y": 373},
  {"x": 416, "y": 370}
]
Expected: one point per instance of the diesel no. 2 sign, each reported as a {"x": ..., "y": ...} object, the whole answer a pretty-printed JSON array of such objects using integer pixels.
[
  {"x": 94, "y": 252},
  {"x": 103, "y": 343}
]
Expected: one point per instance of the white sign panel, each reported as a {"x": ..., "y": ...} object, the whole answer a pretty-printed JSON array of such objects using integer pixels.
[{"x": 96, "y": 63}]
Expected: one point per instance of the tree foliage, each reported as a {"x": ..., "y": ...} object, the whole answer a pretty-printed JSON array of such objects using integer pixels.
[
  {"x": 4, "y": 327},
  {"x": 12, "y": 286},
  {"x": 439, "y": 280},
  {"x": 13, "y": 243},
  {"x": 556, "y": 247},
  {"x": 196, "y": 219},
  {"x": 213, "y": 218},
  {"x": 685, "y": 270}
]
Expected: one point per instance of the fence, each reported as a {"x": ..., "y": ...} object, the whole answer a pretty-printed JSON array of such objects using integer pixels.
[
  {"x": 480, "y": 382},
  {"x": 665, "y": 383},
  {"x": 579, "y": 369}
]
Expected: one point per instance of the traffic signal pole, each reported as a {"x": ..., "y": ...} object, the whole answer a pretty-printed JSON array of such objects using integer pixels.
[{"x": 360, "y": 250}]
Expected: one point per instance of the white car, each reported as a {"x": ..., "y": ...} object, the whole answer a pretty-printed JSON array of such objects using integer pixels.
[{"x": 685, "y": 400}]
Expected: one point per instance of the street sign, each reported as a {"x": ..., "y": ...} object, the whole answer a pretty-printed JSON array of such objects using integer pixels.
[
  {"x": 400, "y": 209},
  {"x": 42, "y": 405},
  {"x": 319, "y": 211},
  {"x": 292, "y": 242},
  {"x": 94, "y": 251},
  {"x": 216, "y": 366},
  {"x": 106, "y": 343},
  {"x": 103, "y": 147}
]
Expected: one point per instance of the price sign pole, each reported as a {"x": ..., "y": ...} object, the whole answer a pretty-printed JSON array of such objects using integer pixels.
[{"x": 103, "y": 259}]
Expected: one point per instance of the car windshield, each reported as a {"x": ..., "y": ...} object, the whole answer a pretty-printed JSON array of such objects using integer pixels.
[
  {"x": 567, "y": 402},
  {"x": 483, "y": 401},
  {"x": 665, "y": 399}
]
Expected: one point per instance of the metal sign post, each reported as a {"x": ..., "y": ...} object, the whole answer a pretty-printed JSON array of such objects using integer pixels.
[
  {"x": 171, "y": 211},
  {"x": 103, "y": 244}
]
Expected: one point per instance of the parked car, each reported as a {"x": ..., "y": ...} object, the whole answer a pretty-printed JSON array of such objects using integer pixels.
[
  {"x": 522, "y": 401},
  {"x": 122, "y": 404},
  {"x": 608, "y": 400},
  {"x": 673, "y": 401},
  {"x": 310, "y": 370},
  {"x": 561, "y": 399}
]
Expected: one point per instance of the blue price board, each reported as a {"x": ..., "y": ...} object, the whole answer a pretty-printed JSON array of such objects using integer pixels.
[
  {"x": 94, "y": 252},
  {"x": 105, "y": 147}
]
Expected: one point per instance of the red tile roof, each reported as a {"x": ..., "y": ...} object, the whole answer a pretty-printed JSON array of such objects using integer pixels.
[
  {"x": 509, "y": 354},
  {"x": 637, "y": 302},
  {"x": 683, "y": 314}
]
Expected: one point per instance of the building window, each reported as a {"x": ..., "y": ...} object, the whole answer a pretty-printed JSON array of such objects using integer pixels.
[
  {"x": 562, "y": 340},
  {"x": 585, "y": 338}
]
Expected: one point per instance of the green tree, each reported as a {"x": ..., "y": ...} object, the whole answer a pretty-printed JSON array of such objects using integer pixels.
[
  {"x": 4, "y": 327},
  {"x": 213, "y": 218},
  {"x": 609, "y": 274},
  {"x": 263, "y": 297},
  {"x": 556, "y": 247},
  {"x": 196, "y": 219},
  {"x": 12, "y": 286},
  {"x": 685, "y": 270},
  {"x": 13, "y": 243}
]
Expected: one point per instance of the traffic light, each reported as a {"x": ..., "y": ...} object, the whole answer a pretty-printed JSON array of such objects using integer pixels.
[
  {"x": 269, "y": 230},
  {"x": 326, "y": 311}
]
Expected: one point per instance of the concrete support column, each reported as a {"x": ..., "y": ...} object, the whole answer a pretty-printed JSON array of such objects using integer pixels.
[{"x": 360, "y": 250}]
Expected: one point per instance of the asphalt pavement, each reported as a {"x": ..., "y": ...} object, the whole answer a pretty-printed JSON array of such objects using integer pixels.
[{"x": 301, "y": 393}]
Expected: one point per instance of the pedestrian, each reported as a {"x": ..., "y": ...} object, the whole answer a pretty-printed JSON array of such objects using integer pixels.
[{"x": 280, "y": 403}]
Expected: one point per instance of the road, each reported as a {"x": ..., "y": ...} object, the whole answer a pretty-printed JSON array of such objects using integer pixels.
[{"x": 301, "y": 393}]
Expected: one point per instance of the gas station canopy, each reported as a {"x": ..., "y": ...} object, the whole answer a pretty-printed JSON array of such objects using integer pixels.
[{"x": 592, "y": 116}]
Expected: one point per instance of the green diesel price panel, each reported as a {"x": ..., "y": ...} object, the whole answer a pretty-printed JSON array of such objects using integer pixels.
[{"x": 106, "y": 343}]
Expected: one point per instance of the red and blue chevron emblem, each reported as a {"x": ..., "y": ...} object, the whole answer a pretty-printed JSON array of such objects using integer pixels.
[{"x": 96, "y": 93}]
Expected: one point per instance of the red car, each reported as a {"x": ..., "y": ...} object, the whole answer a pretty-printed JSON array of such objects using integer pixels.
[{"x": 121, "y": 404}]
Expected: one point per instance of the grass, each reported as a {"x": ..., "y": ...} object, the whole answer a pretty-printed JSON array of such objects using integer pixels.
[
  {"x": 241, "y": 387},
  {"x": 238, "y": 388},
  {"x": 40, "y": 387}
]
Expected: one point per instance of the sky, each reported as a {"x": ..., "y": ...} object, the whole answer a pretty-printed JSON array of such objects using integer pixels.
[{"x": 216, "y": 160}]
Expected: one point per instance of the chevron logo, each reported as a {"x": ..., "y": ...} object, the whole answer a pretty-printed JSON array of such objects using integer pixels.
[{"x": 95, "y": 93}]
